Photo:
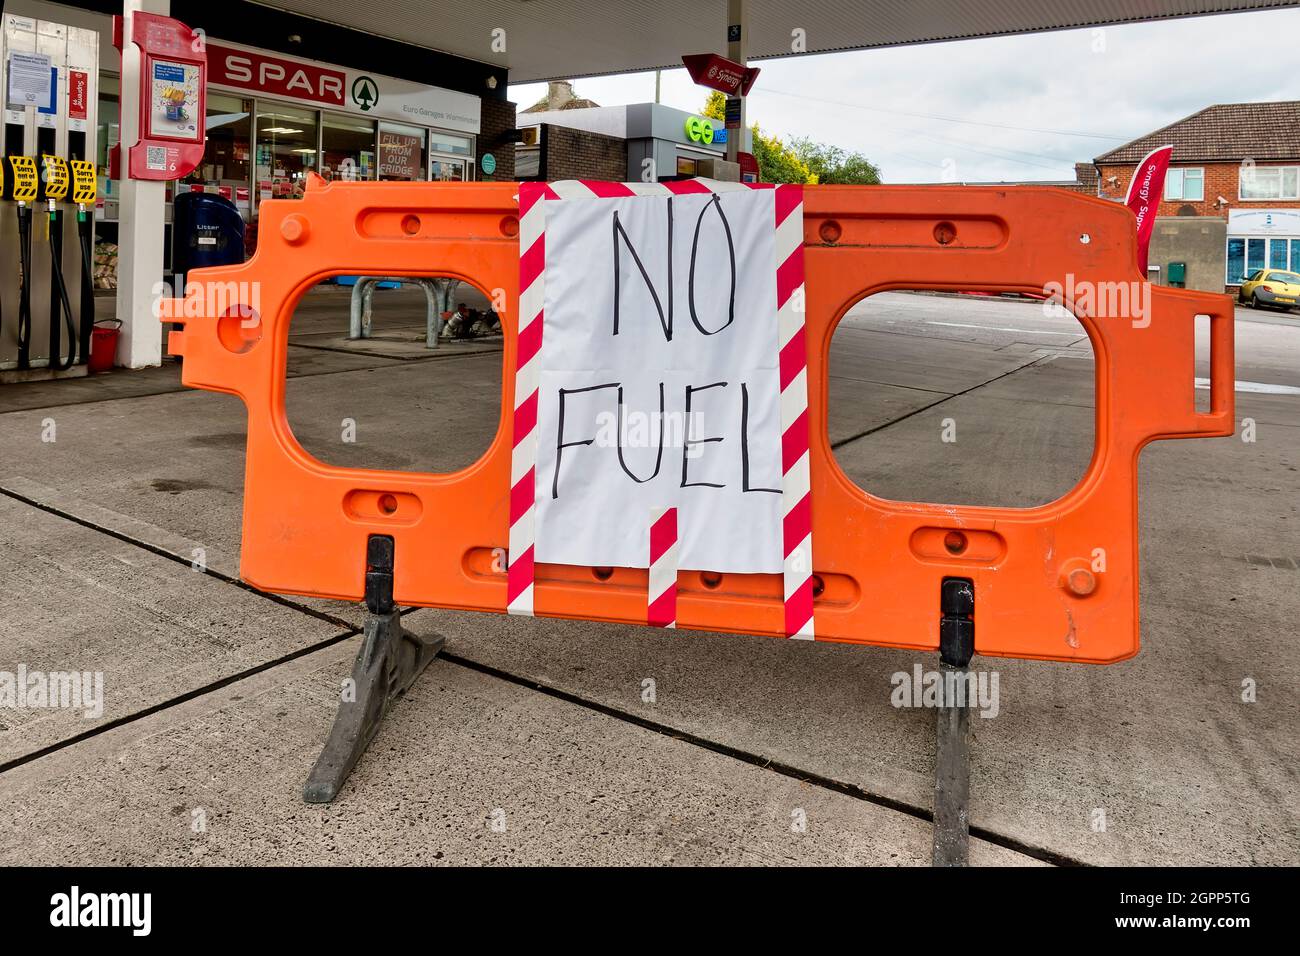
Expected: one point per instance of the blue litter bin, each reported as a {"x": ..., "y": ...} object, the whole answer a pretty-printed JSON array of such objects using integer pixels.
[{"x": 207, "y": 230}]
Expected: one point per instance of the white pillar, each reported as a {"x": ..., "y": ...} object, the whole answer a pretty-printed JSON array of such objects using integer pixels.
[
  {"x": 140, "y": 219},
  {"x": 737, "y": 50}
]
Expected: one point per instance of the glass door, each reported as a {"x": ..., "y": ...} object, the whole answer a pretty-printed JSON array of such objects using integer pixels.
[
  {"x": 287, "y": 140},
  {"x": 448, "y": 169}
]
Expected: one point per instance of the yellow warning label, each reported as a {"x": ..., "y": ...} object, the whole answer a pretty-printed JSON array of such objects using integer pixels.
[
  {"x": 84, "y": 183},
  {"x": 55, "y": 171},
  {"x": 25, "y": 179}
]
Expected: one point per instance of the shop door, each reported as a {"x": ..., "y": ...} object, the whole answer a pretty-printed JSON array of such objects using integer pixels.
[{"x": 448, "y": 169}]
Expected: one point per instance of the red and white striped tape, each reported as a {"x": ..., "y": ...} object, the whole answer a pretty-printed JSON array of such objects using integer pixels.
[
  {"x": 796, "y": 483},
  {"x": 661, "y": 606}
]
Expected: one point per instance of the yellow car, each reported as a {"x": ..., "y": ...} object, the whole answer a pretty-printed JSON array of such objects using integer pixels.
[{"x": 1271, "y": 287}]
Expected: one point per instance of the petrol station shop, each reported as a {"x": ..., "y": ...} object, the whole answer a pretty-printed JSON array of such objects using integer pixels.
[{"x": 285, "y": 96}]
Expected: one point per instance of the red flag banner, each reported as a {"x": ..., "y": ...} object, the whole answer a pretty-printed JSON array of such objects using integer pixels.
[
  {"x": 719, "y": 73},
  {"x": 1144, "y": 193}
]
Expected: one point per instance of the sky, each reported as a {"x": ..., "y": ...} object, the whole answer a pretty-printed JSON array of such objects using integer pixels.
[{"x": 1002, "y": 109}]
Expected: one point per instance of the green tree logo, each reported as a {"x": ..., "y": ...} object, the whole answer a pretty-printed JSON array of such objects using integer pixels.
[{"x": 364, "y": 92}]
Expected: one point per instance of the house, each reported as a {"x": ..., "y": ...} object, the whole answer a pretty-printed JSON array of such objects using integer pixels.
[{"x": 1231, "y": 201}]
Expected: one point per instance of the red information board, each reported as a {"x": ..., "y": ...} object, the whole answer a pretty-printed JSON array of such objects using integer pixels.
[{"x": 173, "y": 96}]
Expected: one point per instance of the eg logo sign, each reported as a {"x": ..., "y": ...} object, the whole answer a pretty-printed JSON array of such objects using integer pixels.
[
  {"x": 699, "y": 129},
  {"x": 364, "y": 92}
]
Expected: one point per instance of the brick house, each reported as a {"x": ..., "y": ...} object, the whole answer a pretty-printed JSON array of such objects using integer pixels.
[{"x": 1231, "y": 201}]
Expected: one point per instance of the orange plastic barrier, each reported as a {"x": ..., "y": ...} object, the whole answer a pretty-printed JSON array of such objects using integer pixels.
[{"x": 1039, "y": 590}]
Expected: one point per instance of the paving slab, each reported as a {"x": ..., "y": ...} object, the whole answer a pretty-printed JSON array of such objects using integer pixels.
[
  {"x": 467, "y": 770},
  {"x": 77, "y": 600}
]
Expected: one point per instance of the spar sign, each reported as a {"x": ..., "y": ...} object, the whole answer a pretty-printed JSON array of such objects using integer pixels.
[{"x": 661, "y": 390}]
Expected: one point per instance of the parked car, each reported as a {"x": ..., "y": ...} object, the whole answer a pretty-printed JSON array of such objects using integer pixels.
[{"x": 1271, "y": 287}]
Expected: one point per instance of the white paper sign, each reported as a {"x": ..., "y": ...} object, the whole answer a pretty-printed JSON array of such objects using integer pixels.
[
  {"x": 29, "y": 79},
  {"x": 659, "y": 381}
]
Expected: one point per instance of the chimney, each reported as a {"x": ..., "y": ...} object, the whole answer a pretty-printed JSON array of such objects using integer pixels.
[{"x": 558, "y": 93}]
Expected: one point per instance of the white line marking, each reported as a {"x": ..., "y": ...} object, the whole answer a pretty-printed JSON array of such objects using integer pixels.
[
  {"x": 998, "y": 328},
  {"x": 1263, "y": 388}
]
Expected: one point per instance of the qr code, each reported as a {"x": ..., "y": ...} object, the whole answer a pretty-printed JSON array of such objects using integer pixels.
[{"x": 155, "y": 157}]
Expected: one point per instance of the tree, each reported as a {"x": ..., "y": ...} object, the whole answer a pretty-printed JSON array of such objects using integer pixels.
[
  {"x": 801, "y": 160},
  {"x": 715, "y": 107},
  {"x": 832, "y": 164},
  {"x": 777, "y": 163}
]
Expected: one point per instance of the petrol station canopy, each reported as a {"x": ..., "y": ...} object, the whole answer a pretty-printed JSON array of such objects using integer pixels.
[{"x": 554, "y": 39}]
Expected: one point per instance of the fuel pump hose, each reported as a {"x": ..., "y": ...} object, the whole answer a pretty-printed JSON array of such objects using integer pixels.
[
  {"x": 24, "y": 285},
  {"x": 60, "y": 306}
]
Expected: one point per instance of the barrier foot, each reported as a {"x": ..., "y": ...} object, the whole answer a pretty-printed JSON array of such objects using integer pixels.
[
  {"x": 390, "y": 660},
  {"x": 952, "y": 730}
]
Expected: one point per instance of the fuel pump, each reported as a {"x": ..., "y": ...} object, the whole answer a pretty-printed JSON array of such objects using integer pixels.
[
  {"x": 54, "y": 181},
  {"x": 22, "y": 189},
  {"x": 85, "y": 186},
  {"x": 48, "y": 77}
]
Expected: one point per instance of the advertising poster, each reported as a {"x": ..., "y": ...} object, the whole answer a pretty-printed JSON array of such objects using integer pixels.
[{"x": 174, "y": 100}]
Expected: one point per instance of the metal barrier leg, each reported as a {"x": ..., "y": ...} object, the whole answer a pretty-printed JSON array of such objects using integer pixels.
[
  {"x": 433, "y": 313},
  {"x": 952, "y": 741},
  {"x": 388, "y": 663},
  {"x": 354, "y": 313},
  {"x": 368, "y": 306}
]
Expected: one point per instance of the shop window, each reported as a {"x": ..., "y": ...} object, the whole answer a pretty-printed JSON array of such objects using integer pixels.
[
  {"x": 401, "y": 152},
  {"x": 227, "y": 152},
  {"x": 110, "y": 89},
  {"x": 1236, "y": 274},
  {"x": 1254, "y": 255},
  {"x": 285, "y": 151},
  {"x": 1185, "y": 184},
  {"x": 347, "y": 147},
  {"x": 1277, "y": 253},
  {"x": 440, "y": 142}
]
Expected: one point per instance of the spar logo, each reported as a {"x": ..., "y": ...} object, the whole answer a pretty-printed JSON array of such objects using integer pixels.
[{"x": 364, "y": 92}]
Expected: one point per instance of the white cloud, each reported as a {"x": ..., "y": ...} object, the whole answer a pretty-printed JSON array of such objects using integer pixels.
[{"x": 1120, "y": 83}]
